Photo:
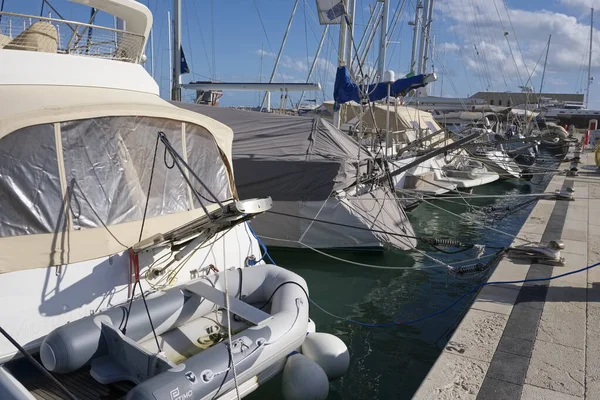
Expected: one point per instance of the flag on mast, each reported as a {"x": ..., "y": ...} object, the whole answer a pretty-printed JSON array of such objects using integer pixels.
[
  {"x": 330, "y": 12},
  {"x": 185, "y": 69}
]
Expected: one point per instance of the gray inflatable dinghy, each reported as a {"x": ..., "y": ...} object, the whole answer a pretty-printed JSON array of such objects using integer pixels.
[{"x": 117, "y": 343}]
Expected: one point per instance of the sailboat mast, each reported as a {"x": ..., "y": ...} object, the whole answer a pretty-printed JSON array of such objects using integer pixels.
[
  {"x": 384, "y": 38},
  {"x": 169, "y": 43},
  {"x": 589, "y": 80},
  {"x": 176, "y": 91},
  {"x": 341, "y": 61},
  {"x": 422, "y": 38},
  {"x": 544, "y": 71},
  {"x": 280, "y": 52},
  {"x": 427, "y": 37},
  {"x": 413, "y": 58},
  {"x": 350, "y": 47},
  {"x": 314, "y": 63}
]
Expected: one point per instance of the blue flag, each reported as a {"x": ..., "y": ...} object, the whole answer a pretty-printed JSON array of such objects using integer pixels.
[{"x": 184, "y": 65}]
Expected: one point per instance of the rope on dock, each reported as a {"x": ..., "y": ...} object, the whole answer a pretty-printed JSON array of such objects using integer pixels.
[{"x": 439, "y": 264}]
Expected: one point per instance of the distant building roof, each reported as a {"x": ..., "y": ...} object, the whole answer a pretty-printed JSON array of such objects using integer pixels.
[{"x": 557, "y": 96}]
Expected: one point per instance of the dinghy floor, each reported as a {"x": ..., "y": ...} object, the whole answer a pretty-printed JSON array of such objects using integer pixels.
[{"x": 80, "y": 383}]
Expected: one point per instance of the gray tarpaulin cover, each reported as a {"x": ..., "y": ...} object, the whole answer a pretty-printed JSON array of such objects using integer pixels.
[{"x": 300, "y": 162}]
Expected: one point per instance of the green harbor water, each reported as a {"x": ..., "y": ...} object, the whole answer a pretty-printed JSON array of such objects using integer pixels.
[{"x": 390, "y": 363}]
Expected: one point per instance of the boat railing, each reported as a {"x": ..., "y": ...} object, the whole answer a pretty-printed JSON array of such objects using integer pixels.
[{"x": 51, "y": 35}]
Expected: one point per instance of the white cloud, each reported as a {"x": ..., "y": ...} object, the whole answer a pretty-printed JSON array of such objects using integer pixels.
[
  {"x": 556, "y": 81},
  {"x": 581, "y": 5},
  {"x": 479, "y": 27},
  {"x": 262, "y": 52},
  {"x": 298, "y": 65},
  {"x": 449, "y": 47}
]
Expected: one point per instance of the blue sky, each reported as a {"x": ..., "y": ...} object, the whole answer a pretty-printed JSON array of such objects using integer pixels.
[{"x": 223, "y": 39}]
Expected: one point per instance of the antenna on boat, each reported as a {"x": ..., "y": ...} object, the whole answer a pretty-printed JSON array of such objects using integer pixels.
[{"x": 589, "y": 80}]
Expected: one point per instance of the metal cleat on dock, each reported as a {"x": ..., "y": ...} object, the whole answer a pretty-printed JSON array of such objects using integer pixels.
[
  {"x": 564, "y": 194},
  {"x": 543, "y": 254},
  {"x": 573, "y": 171}
]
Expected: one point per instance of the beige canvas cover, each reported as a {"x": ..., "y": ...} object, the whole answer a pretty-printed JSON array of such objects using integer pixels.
[
  {"x": 75, "y": 166},
  {"x": 401, "y": 117}
]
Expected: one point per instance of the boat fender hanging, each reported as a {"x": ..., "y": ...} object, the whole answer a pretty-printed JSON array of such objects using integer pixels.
[
  {"x": 526, "y": 174},
  {"x": 303, "y": 379},
  {"x": 329, "y": 351}
]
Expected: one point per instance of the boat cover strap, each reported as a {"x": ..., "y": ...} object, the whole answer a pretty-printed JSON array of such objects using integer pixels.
[
  {"x": 244, "y": 310},
  {"x": 126, "y": 360}
]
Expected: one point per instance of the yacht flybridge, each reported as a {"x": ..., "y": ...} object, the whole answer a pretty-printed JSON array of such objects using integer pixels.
[{"x": 125, "y": 247}]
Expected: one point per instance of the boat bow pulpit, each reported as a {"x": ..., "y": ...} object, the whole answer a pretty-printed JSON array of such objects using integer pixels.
[{"x": 185, "y": 239}]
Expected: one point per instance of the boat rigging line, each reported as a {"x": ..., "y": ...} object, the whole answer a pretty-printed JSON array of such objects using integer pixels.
[
  {"x": 438, "y": 264},
  {"x": 433, "y": 242}
]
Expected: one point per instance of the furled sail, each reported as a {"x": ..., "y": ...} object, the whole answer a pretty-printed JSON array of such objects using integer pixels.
[{"x": 346, "y": 90}]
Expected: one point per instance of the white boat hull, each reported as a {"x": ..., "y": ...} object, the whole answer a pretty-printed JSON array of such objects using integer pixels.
[{"x": 46, "y": 298}]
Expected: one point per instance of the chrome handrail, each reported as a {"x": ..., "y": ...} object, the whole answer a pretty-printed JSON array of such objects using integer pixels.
[{"x": 106, "y": 28}]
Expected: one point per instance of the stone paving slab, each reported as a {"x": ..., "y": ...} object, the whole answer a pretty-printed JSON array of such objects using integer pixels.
[
  {"x": 496, "y": 299},
  {"x": 558, "y": 368},
  {"x": 453, "y": 377},
  {"x": 478, "y": 335},
  {"x": 537, "y": 393},
  {"x": 540, "y": 340}
]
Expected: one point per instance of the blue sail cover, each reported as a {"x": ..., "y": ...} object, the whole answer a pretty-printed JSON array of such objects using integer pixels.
[{"x": 346, "y": 90}]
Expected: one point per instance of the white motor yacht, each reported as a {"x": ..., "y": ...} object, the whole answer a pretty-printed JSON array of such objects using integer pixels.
[{"x": 128, "y": 265}]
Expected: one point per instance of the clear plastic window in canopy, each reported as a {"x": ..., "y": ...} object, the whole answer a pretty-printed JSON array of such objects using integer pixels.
[{"x": 108, "y": 166}]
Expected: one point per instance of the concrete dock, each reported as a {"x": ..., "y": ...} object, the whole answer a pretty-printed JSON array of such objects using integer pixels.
[{"x": 540, "y": 340}]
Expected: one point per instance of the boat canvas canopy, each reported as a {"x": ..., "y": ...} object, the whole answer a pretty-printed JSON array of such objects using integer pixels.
[
  {"x": 303, "y": 163},
  {"x": 76, "y": 179},
  {"x": 295, "y": 153},
  {"x": 401, "y": 117}
]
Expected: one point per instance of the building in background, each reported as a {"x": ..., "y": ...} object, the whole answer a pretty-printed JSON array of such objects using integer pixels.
[{"x": 511, "y": 99}]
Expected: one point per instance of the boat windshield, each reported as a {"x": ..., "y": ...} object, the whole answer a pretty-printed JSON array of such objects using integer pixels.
[{"x": 96, "y": 172}]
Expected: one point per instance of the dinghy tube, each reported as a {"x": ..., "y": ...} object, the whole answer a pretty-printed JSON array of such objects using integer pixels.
[{"x": 207, "y": 373}]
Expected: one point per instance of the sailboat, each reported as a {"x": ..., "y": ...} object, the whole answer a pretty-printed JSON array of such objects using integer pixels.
[
  {"x": 128, "y": 262},
  {"x": 328, "y": 191},
  {"x": 314, "y": 174},
  {"x": 414, "y": 132}
]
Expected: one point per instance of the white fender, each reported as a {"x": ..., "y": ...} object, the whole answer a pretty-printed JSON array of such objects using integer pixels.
[
  {"x": 304, "y": 379},
  {"x": 329, "y": 351}
]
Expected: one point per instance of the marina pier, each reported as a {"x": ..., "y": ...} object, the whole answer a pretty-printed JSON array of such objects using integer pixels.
[{"x": 538, "y": 339}]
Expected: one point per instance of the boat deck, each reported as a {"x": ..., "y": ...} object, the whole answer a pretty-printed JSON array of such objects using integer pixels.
[
  {"x": 538, "y": 340},
  {"x": 434, "y": 188},
  {"x": 80, "y": 383}
]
